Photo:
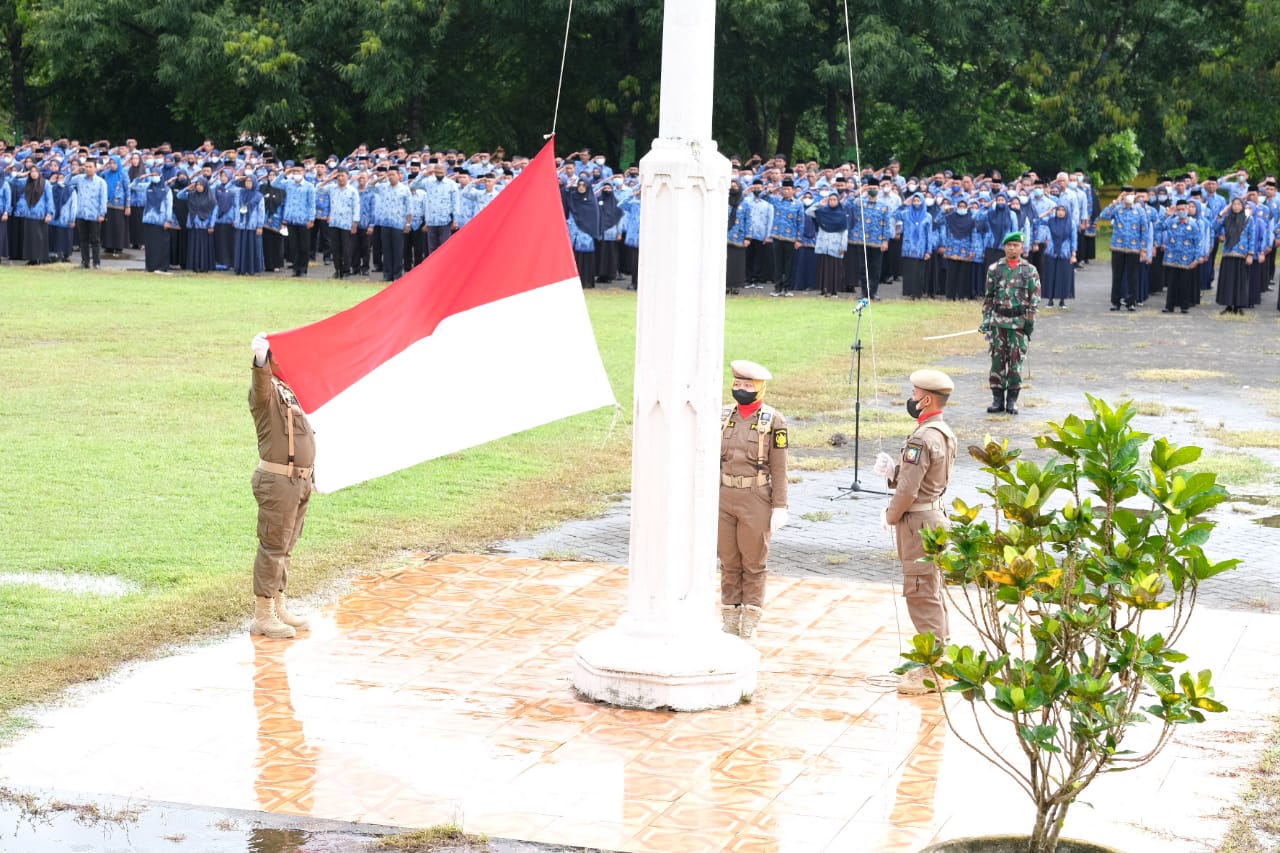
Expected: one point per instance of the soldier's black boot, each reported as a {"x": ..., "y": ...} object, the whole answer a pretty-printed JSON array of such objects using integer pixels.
[
  {"x": 1011, "y": 404},
  {"x": 997, "y": 401}
]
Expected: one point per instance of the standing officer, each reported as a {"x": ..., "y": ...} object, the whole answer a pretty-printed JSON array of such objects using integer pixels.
[
  {"x": 1008, "y": 319},
  {"x": 282, "y": 487},
  {"x": 919, "y": 479},
  {"x": 753, "y": 496}
]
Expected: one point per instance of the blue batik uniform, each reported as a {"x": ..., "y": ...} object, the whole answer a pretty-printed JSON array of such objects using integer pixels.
[
  {"x": 470, "y": 203},
  {"x": 918, "y": 237},
  {"x": 1246, "y": 245},
  {"x": 868, "y": 222},
  {"x": 42, "y": 208},
  {"x": 225, "y": 196},
  {"x": 442, "y": 200},
  {"x": 137, "y": 195},
  {"x": 1183, "y": 243},
  {"x": 91, "y": 197},
  {"x": 738, "y": 231},
  {"x": 760, "y": 218},
  {"x": 250, "y": 217},
  {"x": 417, "y": 209},
  {"x": 582, "y": 240},
  {"x": 788, "y": 218},
  {"x": 830, "y": 243},
  {"x": 1130, "y": 230},
  {"x": 161, "y": 214},
  {"x": 344, "y": 207},
  {"x": 299, "y": 206},
  {"x": 480, "y": 197},
  {"x": 366, "y": 208},
  {"x": 322, "y": 202},
  {"x": 66, "y": 217},
  {"x": 390, "y": 205},
  {"x": 631, "y": 222}
]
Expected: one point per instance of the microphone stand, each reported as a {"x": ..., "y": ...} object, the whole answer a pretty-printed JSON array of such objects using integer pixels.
[{"x": 855, "y": 377}]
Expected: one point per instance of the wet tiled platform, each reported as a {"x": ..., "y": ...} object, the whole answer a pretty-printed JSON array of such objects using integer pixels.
[{"x": 440, "y": 692}]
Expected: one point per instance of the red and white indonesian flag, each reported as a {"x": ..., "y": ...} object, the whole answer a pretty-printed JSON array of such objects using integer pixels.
[{"x": 487, "y": 337}]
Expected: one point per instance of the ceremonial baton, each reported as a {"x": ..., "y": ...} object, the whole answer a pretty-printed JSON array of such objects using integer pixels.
[{"x": 952, "y": 335}]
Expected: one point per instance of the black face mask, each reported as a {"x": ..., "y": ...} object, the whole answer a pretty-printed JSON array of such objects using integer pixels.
[
  {"x": 913, "y": 408},
  {"x": 744, "y": 397}
]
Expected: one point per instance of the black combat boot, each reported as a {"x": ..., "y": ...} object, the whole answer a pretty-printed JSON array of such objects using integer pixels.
[
  {"x": 1011, "y": 404},
  {"x": 997, "y": 401}
]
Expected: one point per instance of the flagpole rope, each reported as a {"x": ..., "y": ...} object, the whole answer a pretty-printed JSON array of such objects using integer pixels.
[
  {"x": 564, "y": 52},
  {"x": 862, "y": 215},
  {"x": 871, "y": 332}
]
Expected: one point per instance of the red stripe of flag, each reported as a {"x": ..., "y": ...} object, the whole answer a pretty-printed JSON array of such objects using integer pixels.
[{"x": 525, "y": 221}]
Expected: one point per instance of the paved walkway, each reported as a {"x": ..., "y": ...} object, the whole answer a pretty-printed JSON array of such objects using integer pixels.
[{"x": 440, "y": 690}]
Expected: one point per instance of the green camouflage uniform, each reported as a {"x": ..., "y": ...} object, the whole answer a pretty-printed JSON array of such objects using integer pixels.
[{"x": 1008, "y": 319}]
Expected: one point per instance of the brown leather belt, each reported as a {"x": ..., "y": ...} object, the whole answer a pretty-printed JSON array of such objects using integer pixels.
[
  {"x": 289, "y": 471},
  {"x": 760, "y": 479},
  {"x": 925, "y": 506}
]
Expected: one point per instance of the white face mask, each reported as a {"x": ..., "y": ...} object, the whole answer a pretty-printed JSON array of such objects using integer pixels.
[{"x": 1128, "y": 198}]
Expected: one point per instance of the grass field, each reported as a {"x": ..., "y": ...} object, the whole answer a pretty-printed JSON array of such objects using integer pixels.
[{"x": 127, "y": 448}]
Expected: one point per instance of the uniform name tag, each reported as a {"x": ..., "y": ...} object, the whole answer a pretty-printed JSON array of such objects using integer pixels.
[{"x": 911, "y": 454}]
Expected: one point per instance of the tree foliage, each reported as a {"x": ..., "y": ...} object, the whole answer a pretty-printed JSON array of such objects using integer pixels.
[{"x": 962, "y": 83}]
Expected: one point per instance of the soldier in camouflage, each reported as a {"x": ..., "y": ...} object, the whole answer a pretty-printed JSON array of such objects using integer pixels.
[{"x": 1008, "y": 319}]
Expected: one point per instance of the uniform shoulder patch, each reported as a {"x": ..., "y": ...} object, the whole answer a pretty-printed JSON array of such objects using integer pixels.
[
  {"x": 911, "y": 454},
  {"x": 780, "y": 439}
]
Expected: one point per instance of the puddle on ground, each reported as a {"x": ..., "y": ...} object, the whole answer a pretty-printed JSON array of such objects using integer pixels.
[
  {"x": 108, "y": 585},
  {"x": 48, "y": 826},
  {"x": 1268, "y": 521}
]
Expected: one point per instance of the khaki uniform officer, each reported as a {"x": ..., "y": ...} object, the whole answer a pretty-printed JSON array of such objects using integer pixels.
[
  {"x": 919, "y": 478},
  {"x": 753, "y": 496},
  {"x": 282, "y": 487}
]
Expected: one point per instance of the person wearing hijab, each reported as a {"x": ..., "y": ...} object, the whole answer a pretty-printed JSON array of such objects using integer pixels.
[
  {"x": 1238, "y": 252},
  {"x": 115, "y": 230},
  {"x": 804, "y": 267},
  {"x": 735, "y": 268},
  {"x": 157, "y": 219},
  {"x": 251, "y": 217},
  {"x": 202, "y": 214},
  {"x": 918, "y": 246},
  {"x": 223, "y": 193},
  {"x": 630, "y": 248},
  {"x": 607, "y": 245},
  {"x": 583, "y": 218},
  {"x": 830, "y": 243},
  {"x": 272, "y": 240},
  {"x": 35, "y": 208},
  {"x": 1059, "y": 234},
  {"x": 137, "y": 199},
  {"x": 960, "y": 248},
  {"x": 62, "y": 225}
]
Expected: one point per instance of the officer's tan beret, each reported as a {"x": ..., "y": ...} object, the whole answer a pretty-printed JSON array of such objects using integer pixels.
[
  {"x": 933, "y": 380},
  {"x": 743, "y": 369}
]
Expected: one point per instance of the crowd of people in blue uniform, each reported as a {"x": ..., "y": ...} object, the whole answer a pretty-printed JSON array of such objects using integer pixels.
[
  {"x": 803, "y": 228},
  {"x": 240, "y": 210},
  {"x": 795, "y": 226}
]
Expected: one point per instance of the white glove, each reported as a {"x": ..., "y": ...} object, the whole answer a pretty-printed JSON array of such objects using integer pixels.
[
  {"x": 778, "y": 518},
  {"x": 884, "y": 465},
  {"x": 260, "y": 349},
  {"x": 884, "y": 520}
]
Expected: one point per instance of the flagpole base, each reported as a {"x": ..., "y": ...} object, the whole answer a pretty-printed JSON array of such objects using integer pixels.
[{"x": 633, "y": 668}]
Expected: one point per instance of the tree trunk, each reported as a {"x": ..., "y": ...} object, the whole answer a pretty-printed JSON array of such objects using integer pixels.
[
  {"x": 833, "y": 127},
  {"x": 757, "y": 137},
  {"x": 415, "y": 119},
  {"x": 786, "y": 136},
  {"x": 18, "y": 74}
]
